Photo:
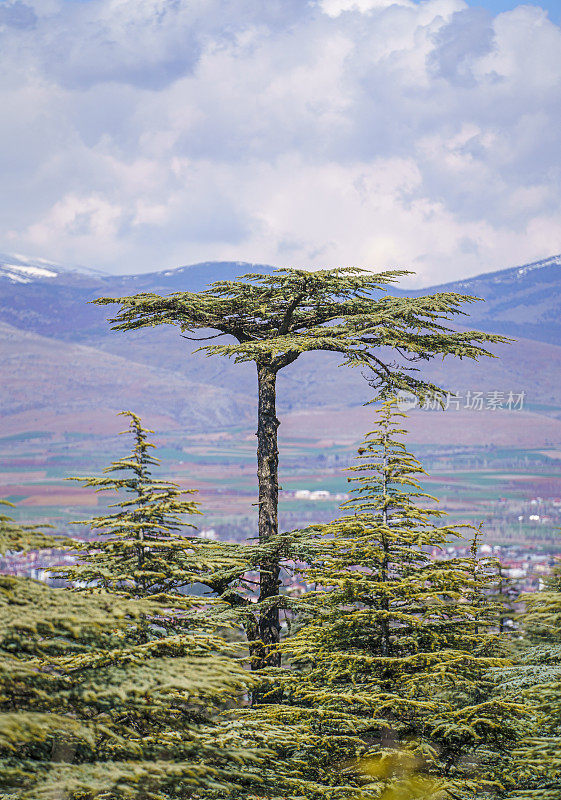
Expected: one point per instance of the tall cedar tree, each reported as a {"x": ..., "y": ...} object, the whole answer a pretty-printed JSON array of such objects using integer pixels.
[
  {"x": 536, "y": 677},
  {"x": 98, "y": 701},
  {"x": 272, "y": 320},
  {"x": 394, "y": 648}
]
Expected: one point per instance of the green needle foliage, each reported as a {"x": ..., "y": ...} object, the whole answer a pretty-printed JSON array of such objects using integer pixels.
[
  {"x": 110, "y": 696},
  {"x": 87, "y": 712},
  {"x": 394, "y": 649},
  {"x": 536, "y": 677},
  {"x": 143, "y": 548},
  {"x": 272, "y": 321},
  {"x": 139, "y": 549}
]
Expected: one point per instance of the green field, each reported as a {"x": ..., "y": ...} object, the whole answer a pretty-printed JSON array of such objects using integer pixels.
[{"x": 493, "y": 485}]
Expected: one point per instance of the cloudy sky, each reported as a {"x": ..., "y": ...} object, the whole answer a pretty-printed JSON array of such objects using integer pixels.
[{"x": 142, "y": 134}]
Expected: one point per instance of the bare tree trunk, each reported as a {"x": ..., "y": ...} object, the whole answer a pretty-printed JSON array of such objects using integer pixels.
[{"x": 267, "y": 475}]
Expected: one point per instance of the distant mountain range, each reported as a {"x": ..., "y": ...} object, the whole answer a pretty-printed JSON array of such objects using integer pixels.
[
  {"x": 48, "y": 299},
  {"x": 51, "y": 300},
  {"x": 523, "y": 301},
  {"x": 63, "y": 366}
]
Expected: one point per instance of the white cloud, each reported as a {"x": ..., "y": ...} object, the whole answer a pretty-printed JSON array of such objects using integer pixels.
[
  {"x": 335, "y": 8},
  {"x": 148, "y": 133}
]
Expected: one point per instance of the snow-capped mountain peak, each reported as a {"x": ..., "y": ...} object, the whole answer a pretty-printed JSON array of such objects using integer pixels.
[
  {"x": 552, "y": 261},
  {"x": 19, "y": 269}
]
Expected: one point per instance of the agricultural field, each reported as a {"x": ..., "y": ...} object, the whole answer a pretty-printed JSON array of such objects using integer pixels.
[{"x": 514, "y": 491}]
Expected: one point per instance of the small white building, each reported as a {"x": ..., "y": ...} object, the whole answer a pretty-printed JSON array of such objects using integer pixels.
[
  {"x": 320, "y": 494},
  {"x": 316, "y": 494},
  {"x": 207, "y": 533}
]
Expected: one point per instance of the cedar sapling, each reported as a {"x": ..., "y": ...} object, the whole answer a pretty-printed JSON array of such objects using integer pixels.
[
  {"x": 141, "y": 547},
  {"x": 145, "y": 547}
]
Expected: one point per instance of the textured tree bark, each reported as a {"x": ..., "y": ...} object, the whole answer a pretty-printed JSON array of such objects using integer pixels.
[{"x": 267, "y": 475}]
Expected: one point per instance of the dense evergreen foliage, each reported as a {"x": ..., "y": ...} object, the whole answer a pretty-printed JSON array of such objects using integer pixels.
[
  {"x": 272, "y": 320},
  {"x": 395, "y": 649},
  {"x": 145, "y": 547},
  {"x": 105, "y": 694},
  {"x": 395, "y": 681},
  {"x": 402, "y": 673},
  {"x": 536, "y": 677}
]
